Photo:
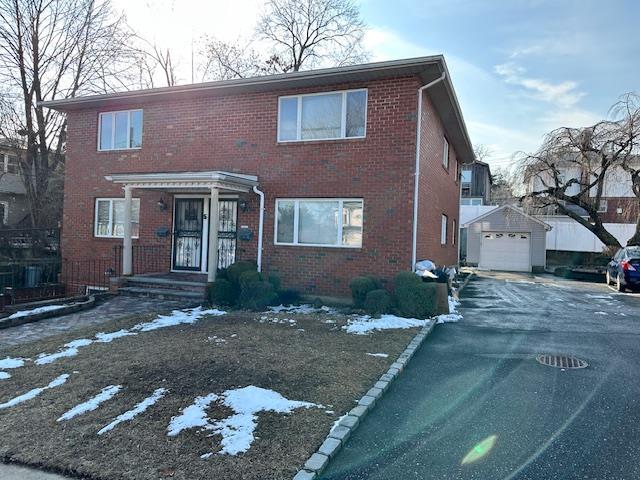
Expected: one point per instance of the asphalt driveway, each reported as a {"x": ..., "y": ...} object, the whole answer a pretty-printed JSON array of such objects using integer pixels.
[{"x": 475, "y": 404}]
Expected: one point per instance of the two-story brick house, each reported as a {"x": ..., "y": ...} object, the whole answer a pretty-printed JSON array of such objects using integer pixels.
[{"x": 319, "y": 175}]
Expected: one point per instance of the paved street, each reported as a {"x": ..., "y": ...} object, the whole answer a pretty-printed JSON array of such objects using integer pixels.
[{"x": 475, "y": 404}]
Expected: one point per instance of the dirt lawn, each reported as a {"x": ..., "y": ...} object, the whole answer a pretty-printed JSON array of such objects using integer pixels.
[{"x": 303, "y": 357}]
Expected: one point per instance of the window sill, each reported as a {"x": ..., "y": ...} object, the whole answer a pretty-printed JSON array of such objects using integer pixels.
[
  {"x": 116, "y": 150},
  {"x": 104, "y": 237},
  {"x": 317, "y": 140},
  {"x": 315, "y": 245}
]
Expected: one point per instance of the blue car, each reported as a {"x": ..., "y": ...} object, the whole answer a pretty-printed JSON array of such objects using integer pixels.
[{"x": 624, "y": 269}]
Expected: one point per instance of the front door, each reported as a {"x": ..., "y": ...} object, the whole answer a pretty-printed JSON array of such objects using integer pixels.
[{"x": 188, "y": 234}]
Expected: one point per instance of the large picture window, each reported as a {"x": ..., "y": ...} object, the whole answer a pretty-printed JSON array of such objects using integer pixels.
[
  {"x": 109, "y": 218},
  {"x": 327, "y": 222},
  {"x": 325, "y": 116},
  {"x": 120, "y": 130}
]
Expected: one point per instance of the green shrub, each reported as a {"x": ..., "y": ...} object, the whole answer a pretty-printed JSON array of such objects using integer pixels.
[
  {"x": 222, "y": 292},
  {"x": 249, "y": 276},
  {"x": 235, "y": 270},
  {"x": 378, "y": 302},
  {"x": 288, "y": 297},
  {"x": 222, "y": 274},
  {"x": 415, "y": 298},
  {"x": 274, "y": 279},
  {"x": 360, "y": 286},
  {"x": 257, "y": 295}
]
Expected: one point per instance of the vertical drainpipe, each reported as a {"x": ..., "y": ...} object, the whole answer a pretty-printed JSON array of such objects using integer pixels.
[
  {"x": 260, "y": 227},
  {"x": 416, "y": 183}
]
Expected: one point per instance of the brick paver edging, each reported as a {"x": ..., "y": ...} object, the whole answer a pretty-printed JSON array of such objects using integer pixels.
[{"x": 339, "y": 435}]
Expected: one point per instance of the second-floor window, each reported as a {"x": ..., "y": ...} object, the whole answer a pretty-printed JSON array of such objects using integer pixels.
[
  {"x": 120, "y": 130},
  {"x": 323, "y": 116},
  {"x": 466, "y": 176},
  {"x": 10, "y": 164},
  {"x": 445, "y": 154}
]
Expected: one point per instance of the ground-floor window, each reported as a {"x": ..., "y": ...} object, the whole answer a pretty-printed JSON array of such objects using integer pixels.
[
  {"x": 443, "y": 230},
  {"x": 325, "y": 222},
  {"x": 109, "y": 217}
]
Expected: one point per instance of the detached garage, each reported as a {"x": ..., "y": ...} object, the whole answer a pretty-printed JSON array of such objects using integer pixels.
[{"x": 507, "y": 239}]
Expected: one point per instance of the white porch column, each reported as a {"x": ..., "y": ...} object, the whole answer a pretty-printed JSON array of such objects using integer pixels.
[
  {"x": 127, "y": 245},
  {"x": 213, "y": 236}
]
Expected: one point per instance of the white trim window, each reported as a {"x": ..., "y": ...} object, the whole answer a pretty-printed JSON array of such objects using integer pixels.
[
  {"x": 319, "y": 222},
  {"x": 445, "y": 153},
  {"x": 443, "y": 229},
  {"x": 322, "y": 116},
  {"x": 109, "y": 218},
  {"x": 466, "y": 176},
  {"x": 121, "y": 130}
]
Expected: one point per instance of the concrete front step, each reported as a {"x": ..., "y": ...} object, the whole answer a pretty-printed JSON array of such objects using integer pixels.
[
  {"x": 162, "y": 293},
  {"x": 164, "y": 283}
]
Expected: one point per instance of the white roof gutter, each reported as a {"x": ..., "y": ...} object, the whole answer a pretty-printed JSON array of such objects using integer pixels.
[{"x": 416, "y": 182}]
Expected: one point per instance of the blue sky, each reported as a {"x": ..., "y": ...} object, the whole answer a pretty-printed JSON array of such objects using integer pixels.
[{"x": 520, "y": 67}]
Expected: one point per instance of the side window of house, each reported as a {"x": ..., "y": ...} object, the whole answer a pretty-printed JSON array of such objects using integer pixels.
[
  {"x": 120, "y": 130},
  {"x": 326, "y": 116},
  {"x": 454, "y": 232},
  {"x": 330, "y": 222},
  {"x": 11, "y": 164},
  {"x": 445, "y": 154},
  {"x": 443, "y": 230},
  {"x": 109, "y": 218},
  {"x": 466, "y": 176}
]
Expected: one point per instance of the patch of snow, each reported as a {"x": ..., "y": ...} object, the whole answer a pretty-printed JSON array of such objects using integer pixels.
[
  {"x": 363, "y": 325},
  {"x": 136, "y": 410},
  {"x": 109, "y": 337},
  {"x": 90, "y": 405},
  {"x": 600, "y": 313},
  {"x": 193, "y": 416},
  {"x": 381, "y": 355},
  {"x": 304, "y": 309},
  {"x": 337, "y": 422},
  {"x": 70, "y": 350},
  {"x": 31, "y": 394},
  {"x": 4, "y": 375},
  {"x": 453, "y": 304},
  {"x": 9, "y": 362},
  {"x": 35, "y": 311},
  {"x": 448, "y": 317},
  {"x": 177, "y": 317},
  {"x": 237, "y": 430}
]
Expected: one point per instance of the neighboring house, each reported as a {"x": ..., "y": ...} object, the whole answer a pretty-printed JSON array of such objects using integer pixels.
[
  {"x": 13, "y": 201},
  {"x": 618, "y": 209},
  {"x": 506, "y": 238},
  {"x": 476, "y": 182},
  {"x": 319, "y": 176}
]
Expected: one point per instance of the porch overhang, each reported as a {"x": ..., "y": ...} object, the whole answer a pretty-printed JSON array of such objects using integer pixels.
[{"x": 234, "y": 182}]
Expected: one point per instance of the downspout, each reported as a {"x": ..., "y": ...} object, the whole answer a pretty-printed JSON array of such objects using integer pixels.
[
  {"x": 260, "y": 227},
  {"x": 416, "y": 184}
]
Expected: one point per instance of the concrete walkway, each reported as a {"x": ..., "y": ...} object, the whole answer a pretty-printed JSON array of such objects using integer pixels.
[
  {"x": 12, "y": 472},
  {"x": 474, "y": 403}
]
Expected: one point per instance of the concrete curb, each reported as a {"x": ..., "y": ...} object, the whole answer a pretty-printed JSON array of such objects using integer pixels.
[
  {"x": 317, "y": 462},
  {"x": 464, "y": 284},
  {"x": 77, "y": 304}
]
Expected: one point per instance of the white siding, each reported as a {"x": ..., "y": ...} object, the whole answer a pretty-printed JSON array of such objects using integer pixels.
[{"x": 569, "y": 235}]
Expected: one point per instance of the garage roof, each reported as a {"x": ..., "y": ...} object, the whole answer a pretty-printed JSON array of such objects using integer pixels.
[{"x": 509, "y": 207}]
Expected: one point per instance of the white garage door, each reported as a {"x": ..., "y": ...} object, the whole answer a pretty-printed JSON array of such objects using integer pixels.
[{"x": 510, "y": 251}]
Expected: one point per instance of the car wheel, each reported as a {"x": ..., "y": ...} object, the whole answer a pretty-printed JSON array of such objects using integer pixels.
[{"x": 619, "y": 285}]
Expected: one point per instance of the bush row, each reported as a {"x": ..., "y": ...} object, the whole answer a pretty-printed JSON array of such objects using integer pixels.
[
  {"x": 412, "y": 296},
  {"x": 241, "y": 285}
]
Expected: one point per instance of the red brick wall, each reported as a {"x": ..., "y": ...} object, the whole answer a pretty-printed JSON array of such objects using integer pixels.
[
  {"x": 629, "y": 206},
  {"x": 237, "y": 133},
  {"x": 439, "y": 192}
]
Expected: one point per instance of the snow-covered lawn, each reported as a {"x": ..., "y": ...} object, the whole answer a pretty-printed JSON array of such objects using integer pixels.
[{"x": 197, "y": 393}]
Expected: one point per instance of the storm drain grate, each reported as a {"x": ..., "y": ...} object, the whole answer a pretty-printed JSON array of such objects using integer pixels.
[{"x": 561, "y": 361}]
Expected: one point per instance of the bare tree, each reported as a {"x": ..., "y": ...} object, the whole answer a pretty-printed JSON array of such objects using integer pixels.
[
  {"x": 154, "y": 63},
  {"x": 482, "y": 152},
  {"x": 51, "y": 49},
  {"x": 569, "y": 171},
  {"x": 295, "y": 34}
]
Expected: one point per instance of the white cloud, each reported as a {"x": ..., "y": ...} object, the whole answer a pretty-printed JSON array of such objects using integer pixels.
[{"x": 564, "y": 93}]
